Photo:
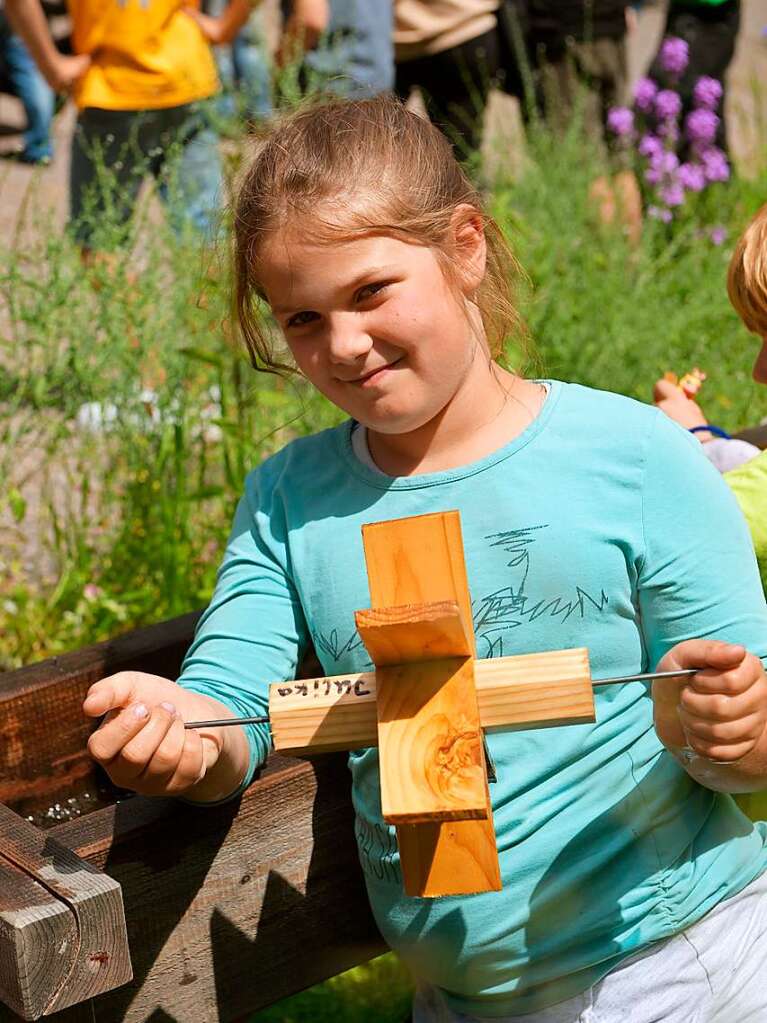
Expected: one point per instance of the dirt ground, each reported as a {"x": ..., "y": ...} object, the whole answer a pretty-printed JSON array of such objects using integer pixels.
[{"x": 23, "y": 188}]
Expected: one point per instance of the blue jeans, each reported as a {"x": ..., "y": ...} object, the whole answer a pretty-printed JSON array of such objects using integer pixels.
[
  {"x": 114, "y": 150},
  {"x": 35, "y": 94},
  {"x": 244, "y": 68}
]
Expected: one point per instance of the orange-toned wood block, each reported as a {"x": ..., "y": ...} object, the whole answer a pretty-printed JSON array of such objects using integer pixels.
[
  {"x": 420, "y": 560},
  {"x": 414, "y": 632}
]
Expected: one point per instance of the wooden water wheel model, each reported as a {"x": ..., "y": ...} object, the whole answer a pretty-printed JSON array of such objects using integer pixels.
[{"x": 151, "y": 909}]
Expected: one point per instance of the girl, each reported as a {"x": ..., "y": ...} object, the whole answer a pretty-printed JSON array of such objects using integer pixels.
[{"x": 617, "y": 841}]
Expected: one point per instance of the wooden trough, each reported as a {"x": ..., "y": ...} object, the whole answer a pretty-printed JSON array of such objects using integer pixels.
[{"x": 228, "y": 909}]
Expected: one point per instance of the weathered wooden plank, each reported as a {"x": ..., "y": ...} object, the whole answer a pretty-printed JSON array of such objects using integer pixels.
[
  {"x": 45, "y": 700},
  {"x": 231, "y": 908},
  {"x": 521, "y": 691},
  {"x": 412, "y": 561},
  {"x": 63, "y": 936}
]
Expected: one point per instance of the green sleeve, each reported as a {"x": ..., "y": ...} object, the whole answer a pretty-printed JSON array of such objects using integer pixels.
[{"x": 749, "y": 485}]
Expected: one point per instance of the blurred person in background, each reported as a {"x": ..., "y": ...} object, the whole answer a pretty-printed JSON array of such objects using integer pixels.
[
  {"x": 20, "y": 75},
  {"x": 578, "y": 53},
  {"x": 244, "y": 68},
  {"x": 455, "y": 51},
  {"x": 140, "y": 75},
  {"x": 343, "y": 47}
]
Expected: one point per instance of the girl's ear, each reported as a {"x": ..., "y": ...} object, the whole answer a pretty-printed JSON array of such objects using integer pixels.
[{"x": 469, "y": 247}]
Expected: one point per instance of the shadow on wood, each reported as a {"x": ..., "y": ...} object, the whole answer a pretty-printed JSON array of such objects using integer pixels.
[{"x": 228, "y": 908}]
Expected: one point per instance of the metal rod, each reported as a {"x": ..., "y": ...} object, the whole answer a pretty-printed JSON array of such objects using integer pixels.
[
  {"x": 226, "y": 721},
  {"x": 645, "y": 676}
]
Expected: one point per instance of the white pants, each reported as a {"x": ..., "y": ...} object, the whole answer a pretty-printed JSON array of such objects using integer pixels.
[{"x": 714, "y": 972}]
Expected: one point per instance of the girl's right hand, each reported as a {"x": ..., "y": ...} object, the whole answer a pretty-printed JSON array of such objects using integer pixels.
[{"x": 142, "y": 743}]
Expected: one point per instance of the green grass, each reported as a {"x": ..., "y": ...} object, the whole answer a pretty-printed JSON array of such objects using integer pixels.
[
  {"x": 377, "y": 992},
  {"x": 105, "y": 529}
]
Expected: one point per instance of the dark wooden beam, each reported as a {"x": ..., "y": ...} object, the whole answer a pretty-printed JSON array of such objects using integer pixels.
[
  {"x": 228, "y": 908},
  {"x": 62, "y": 928}
]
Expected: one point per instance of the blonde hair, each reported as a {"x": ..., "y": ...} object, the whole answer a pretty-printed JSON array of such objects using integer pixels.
[
  {"x": 346, "y": 168},
  {"x": 747, "y": 276}
]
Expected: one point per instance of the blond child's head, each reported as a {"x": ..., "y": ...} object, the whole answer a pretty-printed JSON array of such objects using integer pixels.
[
  {"x": 334, "y": 172},
  {"x": 747, "y": 284}
]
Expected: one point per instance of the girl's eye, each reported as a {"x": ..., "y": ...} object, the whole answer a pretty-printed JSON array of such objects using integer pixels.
[
  {"x": 300, "y": 319},
  {"x": 370, "y": 290}
]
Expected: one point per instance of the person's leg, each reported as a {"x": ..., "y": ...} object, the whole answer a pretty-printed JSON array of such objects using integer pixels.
[
  {"x": 189, "y": 169},
  {"x": 37, "y": 98},
  {"x": 455, "y": 85},
  {"x": 252, "y": 73},
  {"x": 105, "y": 175}
]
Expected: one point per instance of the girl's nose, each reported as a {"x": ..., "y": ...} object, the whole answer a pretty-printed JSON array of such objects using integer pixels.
[
  {"x": 349, "y": 342},
  {"x": 760, "y": 366}
]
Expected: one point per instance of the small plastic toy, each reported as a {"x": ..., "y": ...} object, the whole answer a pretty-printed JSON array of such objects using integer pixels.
[{"x": 690, "y": 383}]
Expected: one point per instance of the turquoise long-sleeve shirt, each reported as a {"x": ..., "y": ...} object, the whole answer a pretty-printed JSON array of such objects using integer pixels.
[{"x": 601, "y": 525}]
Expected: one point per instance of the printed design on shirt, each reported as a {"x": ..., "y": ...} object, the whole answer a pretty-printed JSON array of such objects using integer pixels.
[
  {"x": 144, "y": 4},
  {"x": 510, "y": 606},
  {"x": 377, "y": 845},
  {"x": 331, "y": 645}
]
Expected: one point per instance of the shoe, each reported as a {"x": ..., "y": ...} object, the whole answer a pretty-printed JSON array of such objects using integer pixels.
[{"x": 20, "y": 156}]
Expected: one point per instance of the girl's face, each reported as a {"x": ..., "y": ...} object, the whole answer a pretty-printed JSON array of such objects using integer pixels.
[{"x": 374, "y": 324}]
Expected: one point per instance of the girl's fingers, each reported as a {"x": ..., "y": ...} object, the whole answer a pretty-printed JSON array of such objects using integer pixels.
[
  {"x": 723, "y": 733},
  {"x": 109, "y": 694},
  {"x": 133, "y": 756},
  {"x": 110, "y": 738},
  {"x": 190, "y": 766},
  {"x": 721, "y": 706}
]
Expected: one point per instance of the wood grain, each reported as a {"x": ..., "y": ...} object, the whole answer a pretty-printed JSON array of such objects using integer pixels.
[
  {"x": 420, "y": 560},
  {"x": 63, "y": 937},
  {"x": 522, "y": 691},
  {"x": 228, "y": 909},
  {"x": 231, "y": 908},
  {"x": 414, "y": 632}
]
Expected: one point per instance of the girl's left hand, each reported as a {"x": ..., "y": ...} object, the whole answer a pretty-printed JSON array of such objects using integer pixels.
[{"x": 721, "y": 711}]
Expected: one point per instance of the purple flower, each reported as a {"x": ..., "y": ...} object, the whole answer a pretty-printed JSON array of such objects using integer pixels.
[
  {"x": 691, "y": 177},
  {"x": 620, "y": 121},
  {"x": 715, "y": 164},
  {"x": 667, "y": 104},
  {"x": 673, "y": 194},
  {"x": 645, "y": 91},
  {"x": 661, "y": 165},
  {"x": 718, "y": 235},
  {"x": 650, "y": 146},
  {"x": 701, "y": 126},
  {"x": 674, "y": 55},
  {"x": 707, "y": 92},
  {"x": 669, "y": 130},
  {"x": 668, "y": 161},
  {"x": 657, "y": 213}
]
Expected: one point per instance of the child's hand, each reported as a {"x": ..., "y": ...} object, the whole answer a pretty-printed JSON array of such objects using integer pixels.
[
  {"x": 674, "y": 402},
  {"x": 142, "y": 743},
  {"x": 721, "y": 711},
  {"x": 225, "y": 27},
  {"x": 62, "y": 74}
]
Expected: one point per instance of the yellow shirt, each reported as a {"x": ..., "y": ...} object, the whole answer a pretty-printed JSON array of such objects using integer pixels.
[{"x": 147, "y": 55}]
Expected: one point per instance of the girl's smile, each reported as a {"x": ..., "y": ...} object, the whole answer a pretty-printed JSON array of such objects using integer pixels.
[{"x": 374, "y": 323}]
